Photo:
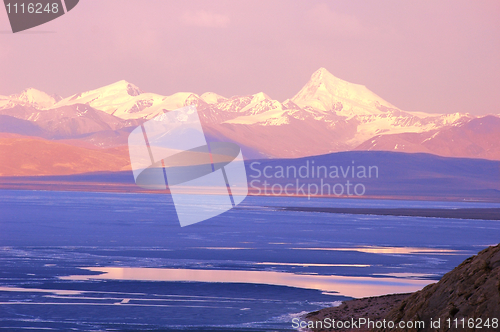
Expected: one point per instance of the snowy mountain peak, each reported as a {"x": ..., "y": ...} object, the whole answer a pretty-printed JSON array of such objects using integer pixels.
[
  {"x": 107, "y": 98},
  {"x": 260, "y": 97},
  {"x": 35, "y": 98},
  {"x": 325, "y": 92},
  {"x": 120, "y": 86},
  {"x": 212, "y": 98},
  {"x": 323, "y": 74}
]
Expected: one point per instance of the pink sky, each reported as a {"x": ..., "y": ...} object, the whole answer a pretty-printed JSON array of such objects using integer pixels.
[{"x": 427, "y": 56}]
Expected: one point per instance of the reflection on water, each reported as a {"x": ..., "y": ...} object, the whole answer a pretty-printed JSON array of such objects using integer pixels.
[
  {"x": 312, "y": 264},
  {"x": 38, "y": 290},
  {"x": 406, "y": 275},
  {"x": 393, "y": 250},
  {"x": 222, "y": 248},
  {"x": 364, "y": 249},
  {"x": 347, "y": 286}
]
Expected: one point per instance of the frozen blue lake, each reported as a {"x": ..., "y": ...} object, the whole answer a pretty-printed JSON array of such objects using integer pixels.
[{"x": 116, "y": 261}]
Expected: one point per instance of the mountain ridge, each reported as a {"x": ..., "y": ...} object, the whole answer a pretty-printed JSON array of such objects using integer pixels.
[{"x": 327, "y": 115}]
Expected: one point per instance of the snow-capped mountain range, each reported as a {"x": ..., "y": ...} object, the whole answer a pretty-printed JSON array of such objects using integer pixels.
[
  {"x": 327, "y": 115},
  {"x": 29, "y": 97}
]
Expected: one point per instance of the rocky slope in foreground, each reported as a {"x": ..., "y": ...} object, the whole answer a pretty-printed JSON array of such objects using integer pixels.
[{"x": 471, "y": 290}]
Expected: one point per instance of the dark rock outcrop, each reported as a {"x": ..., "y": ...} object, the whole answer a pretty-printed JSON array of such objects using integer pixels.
[
  {"x": 470, "y": 291},
  {"x": 376, "y": 308}
]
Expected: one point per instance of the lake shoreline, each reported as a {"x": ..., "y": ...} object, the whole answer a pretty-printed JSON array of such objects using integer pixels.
[
  {"x": 47, "y": 183},
  {"x": 465, "y": 213}
]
